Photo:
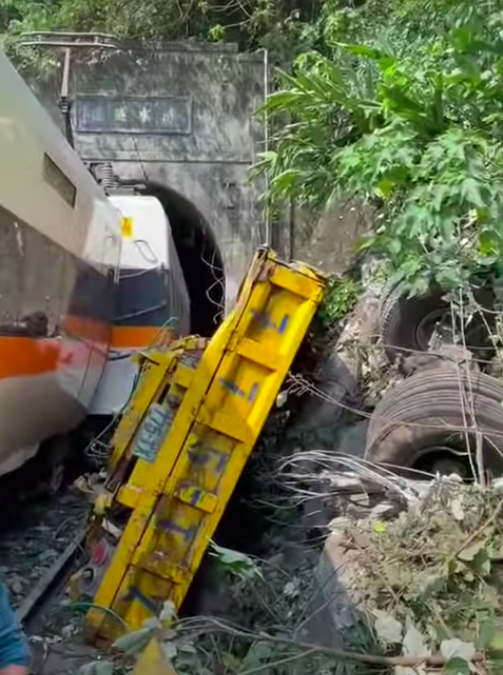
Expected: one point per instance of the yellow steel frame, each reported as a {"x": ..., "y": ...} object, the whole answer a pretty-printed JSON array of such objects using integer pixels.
[
  {"x": 164, "y": 378},
  {"x": 179, "y": 501}
]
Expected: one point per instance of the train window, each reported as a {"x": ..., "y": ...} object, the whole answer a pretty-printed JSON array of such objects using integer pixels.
[
  {"x": 11, "y": 272},
  {"x": 43, "y": 285},
  {"x": 59, "y": 181}
]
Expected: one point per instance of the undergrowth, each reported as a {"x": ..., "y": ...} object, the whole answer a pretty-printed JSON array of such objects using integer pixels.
[
  {"x": 341, "y": 295},
  {"x": 435, "y": 573}
]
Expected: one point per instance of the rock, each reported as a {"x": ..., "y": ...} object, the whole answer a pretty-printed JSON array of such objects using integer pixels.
[
  {"x": 361, "y": 329},
  {"x": 351, "y": 439},
  {"x": 384, "y": 510},
  {"x": 68, "y": 631},
  {"x": 339, "y": 524},
  {"x": 277, "y": 560},
  {"x": 345, "y": 482},
  {"x": 16, "y": 586},
  {"x": 334, "y": 611},
  {"x": 319, "y": 419},
  {"x": 48, "y": 555},
  {"x": 359, "y": 500}
]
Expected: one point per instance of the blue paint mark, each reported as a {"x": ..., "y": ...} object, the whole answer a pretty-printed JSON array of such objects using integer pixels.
[
  {"x": 265, "y": 320},
  {"x": 188, "y": 534},
  {"x": 134, "y": 593},
  {"x": 284, "y": 324},
  {"x": 195, "y": 497},
  {"x": 200, "y": 455},
  {"x": 233, "y": 387},
  {"x": 253, "y": 393},
  {"x": 222, "y": 461}
]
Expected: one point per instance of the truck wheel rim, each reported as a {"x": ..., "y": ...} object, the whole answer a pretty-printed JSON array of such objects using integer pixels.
[{"x": 430, "y": 323}]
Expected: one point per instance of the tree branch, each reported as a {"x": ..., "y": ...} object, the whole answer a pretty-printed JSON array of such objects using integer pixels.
[{"x": 342, "y": 655}]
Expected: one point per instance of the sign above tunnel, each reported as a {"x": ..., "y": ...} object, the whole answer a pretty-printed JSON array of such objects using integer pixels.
[{"x": 134, "y": 114}]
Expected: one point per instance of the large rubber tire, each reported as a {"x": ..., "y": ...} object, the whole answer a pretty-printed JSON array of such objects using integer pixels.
[
  {"x": 424, "y": 411},
  {"x": 407, "y": 323}
]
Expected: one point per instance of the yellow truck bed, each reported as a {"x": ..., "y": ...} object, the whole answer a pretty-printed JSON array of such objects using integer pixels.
[{"x": 167, "y": 491}]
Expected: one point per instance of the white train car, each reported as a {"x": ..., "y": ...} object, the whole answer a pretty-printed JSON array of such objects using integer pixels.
[
  {"x": 85, "y": 280},
  {"x": 152, "y": 301},
  {"x": 60, "y": 246}
]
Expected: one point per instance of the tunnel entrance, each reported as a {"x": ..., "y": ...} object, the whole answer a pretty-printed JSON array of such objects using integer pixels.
[{"x": 199, "y": 256}]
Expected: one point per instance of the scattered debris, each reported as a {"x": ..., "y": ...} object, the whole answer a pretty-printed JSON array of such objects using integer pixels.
[{"x": 430, "y": 579}]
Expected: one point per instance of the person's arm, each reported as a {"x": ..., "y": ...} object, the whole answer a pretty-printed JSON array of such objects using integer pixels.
[
  {"x": 14, "y": 650},
  {"x": 15, "y": 670}
]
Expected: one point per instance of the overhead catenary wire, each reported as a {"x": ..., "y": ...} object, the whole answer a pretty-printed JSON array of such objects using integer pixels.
[
  {"x": 218, "y": 276},
  {"x": 92, "y": 449}
]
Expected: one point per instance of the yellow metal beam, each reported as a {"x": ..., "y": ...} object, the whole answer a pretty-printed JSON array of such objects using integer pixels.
[{"x": 179, "y": 498}]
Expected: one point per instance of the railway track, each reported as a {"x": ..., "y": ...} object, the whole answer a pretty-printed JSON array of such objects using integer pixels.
[
  {"x": 40, "y": 547},
  {"x": 39, "y": 541}
]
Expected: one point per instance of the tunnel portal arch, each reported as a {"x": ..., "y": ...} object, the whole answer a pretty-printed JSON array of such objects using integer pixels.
[{"x": 199, "y": 256}]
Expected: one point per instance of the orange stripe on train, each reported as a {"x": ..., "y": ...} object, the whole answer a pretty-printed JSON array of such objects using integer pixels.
[
  {"x": 33, "y": 356},
  {"x": 27, "y": 356}
]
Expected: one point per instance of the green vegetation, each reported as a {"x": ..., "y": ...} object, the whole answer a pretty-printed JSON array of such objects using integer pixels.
[
  {"x": 396, "y": 103},
  {"x": 401, "y": 106},
  {"x": 340, "y": 297},
  {"x": 250, "y": 23}
]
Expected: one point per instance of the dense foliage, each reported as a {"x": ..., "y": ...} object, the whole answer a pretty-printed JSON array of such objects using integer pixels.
[
  {"x": 397, "y": 103},
  {"x": 402, "y": 107},
  {"x": 250, "y": 23}
]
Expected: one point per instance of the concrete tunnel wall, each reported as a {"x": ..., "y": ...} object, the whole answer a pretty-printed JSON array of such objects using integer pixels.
[{"x": 179, "y": 117}]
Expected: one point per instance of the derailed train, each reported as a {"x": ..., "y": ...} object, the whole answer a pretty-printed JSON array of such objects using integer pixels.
[{"x": 84, "y": 279}]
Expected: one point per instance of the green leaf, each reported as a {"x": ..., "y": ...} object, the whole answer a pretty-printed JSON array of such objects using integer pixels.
[
  {"x": 238, "y": 563},
  {"x": 385, "y": 187},
  {"x": 258, "y": 654},
  {"x": 134, "y": 642},
  {"x": 280, "y": 100},
  {"x": 217, "y": 33},
  {"x": 401, "y": 101},
  {"x": 368, "y": 52},
  {"x": 414, "y": 642},
  {"x": 488, "y": 243},
  {"x": 487, "y": 633},
  {"x": 470, "y": 552},
  {"x": 457, "y": 649},
  {"x": 496, "y": 641},
  {"x": 470, "y": 189},
  {"x": 231, "y": 662},
  {"x": 395, "y": 246},
  {"x": 286, "y": 179},
  {"x": 456, "y": 666},
  {"x": 168, "y": 612},
  {"x": 169, "y": 649},
  {"x": 186, "y": 647},
  {"x": 387, "y": 628}
]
